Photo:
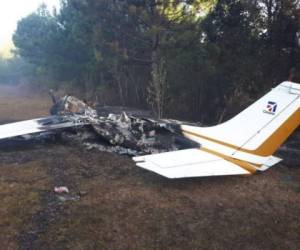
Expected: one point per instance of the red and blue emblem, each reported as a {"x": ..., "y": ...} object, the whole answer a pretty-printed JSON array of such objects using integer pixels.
[{"x": 271, "y": 107}]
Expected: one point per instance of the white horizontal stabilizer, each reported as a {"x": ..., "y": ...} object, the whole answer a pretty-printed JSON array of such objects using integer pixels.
[{"x": 188, "y": 163}]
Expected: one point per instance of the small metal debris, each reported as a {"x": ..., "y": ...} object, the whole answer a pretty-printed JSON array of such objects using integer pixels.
[
  {"x": 64, "y": 198},
  {"x": 71, "y": 105}
]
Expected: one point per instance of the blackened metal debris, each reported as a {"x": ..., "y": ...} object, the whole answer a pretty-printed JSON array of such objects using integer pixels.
[{"x": 132, "y": 132}]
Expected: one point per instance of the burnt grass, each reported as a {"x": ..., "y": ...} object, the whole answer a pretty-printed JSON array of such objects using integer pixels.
[{"x": 114, "y": 205}]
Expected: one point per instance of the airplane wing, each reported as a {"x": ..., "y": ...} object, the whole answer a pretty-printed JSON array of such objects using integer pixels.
[
  {"x": 37, "y": 126},
  {"x": 189, "y": 163}
]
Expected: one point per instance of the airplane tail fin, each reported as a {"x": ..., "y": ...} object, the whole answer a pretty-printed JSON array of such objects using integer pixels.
[
  {"x": 260, "y": 129},
  {"x": 242, "y": 145}
]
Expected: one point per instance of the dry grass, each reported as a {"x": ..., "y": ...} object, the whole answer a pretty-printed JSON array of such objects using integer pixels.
[
  {"x": 124, "y": 207},
  {"x": 20, "y": 188},
  {"x": 17, "y": 103}
]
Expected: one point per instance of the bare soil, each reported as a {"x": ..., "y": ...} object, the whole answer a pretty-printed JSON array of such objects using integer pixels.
[{"x": 114, "y": 205}]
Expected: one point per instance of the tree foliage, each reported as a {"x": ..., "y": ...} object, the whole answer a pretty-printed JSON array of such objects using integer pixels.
[{"x": 193, "y": 59}]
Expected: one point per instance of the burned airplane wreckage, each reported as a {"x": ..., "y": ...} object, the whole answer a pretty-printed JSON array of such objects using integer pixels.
[
  {"x": 110, "y": 129},
  {"x": 243, "y": 145}
]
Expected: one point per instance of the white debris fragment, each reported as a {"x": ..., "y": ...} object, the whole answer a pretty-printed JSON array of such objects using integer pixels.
[
  {"x": 124, "y": 118},
  {"x": 64, "y": 198},
  {"x": 152, "y": 133},
  {"x": 61, "y": 190}
]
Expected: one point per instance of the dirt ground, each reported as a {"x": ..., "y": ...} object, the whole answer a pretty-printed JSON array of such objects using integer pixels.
[{"x": 114, "y": 205}]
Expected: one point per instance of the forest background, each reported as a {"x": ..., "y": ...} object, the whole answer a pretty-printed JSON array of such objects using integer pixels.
[{"x": 198, "y": 60}]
